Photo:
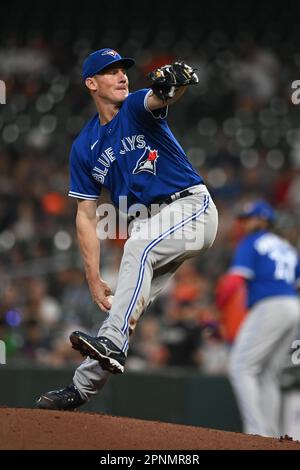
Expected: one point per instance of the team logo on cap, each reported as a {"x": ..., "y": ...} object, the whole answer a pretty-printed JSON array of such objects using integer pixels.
[
  {"x": 110, "y": 52},
  {"x": 147, "y": 162}
]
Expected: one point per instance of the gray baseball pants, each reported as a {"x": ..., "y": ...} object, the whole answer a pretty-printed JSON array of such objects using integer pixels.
[
  {"x": 155, "y": 250},
  {"x": 258, "y": 356}
]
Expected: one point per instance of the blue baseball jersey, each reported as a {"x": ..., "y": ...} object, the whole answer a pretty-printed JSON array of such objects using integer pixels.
[
  {"x": 134, "y": 155},
  {"x": 269, "y": 263}
]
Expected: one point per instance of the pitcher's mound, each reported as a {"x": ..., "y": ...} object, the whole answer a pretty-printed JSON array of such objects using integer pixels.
[{"x": 40, "y": 429}]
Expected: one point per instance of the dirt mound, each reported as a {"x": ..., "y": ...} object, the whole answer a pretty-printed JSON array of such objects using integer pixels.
[{"x": 39, "y": 429}]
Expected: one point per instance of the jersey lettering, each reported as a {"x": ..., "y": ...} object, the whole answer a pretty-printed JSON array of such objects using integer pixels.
[
  {"x": 284, "y": 258},
  {"x": 107, "y": 157},
  {"x": 99, "y": 175},
  {"x": 285, "y": 263},
  {"x": 132, "y": 143}
]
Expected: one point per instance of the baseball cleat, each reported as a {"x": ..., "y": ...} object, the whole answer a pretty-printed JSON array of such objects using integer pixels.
[
  {"x": 101, "y": 349},
  {"x": 67, "y": 398}
]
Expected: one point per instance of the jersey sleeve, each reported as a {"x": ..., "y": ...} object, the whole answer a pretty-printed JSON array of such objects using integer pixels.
[
  {"x": 243, "y": 262},
  {"x": 82, "y": 183},
  {"x": 137, "y": 103}
]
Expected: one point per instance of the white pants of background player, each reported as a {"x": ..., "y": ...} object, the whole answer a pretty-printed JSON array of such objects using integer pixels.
[
  {"x": 153, "y": 253},
  {"x": 259, "y": 354}
]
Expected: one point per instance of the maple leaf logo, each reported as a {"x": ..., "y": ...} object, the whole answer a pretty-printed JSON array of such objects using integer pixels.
[{"x": 152, "y": 155}]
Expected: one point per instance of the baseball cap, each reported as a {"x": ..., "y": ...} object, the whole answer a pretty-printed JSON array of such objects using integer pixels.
[
  {"x": 257, "y": 209},
  {"x": 101, "y": 59}
]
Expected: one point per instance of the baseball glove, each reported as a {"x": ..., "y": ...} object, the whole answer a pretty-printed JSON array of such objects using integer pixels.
[{"x": 167, "y": 79}]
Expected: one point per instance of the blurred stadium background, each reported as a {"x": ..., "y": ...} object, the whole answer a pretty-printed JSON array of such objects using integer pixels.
[{"x": 239, "y": 128}]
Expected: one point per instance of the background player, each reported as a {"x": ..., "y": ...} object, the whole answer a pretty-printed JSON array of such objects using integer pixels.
[
  {"x": 270, "y": 266},
  {"x": 128, "y": 148}
]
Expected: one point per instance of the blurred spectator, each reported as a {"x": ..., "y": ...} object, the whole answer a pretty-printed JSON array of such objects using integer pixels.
[
  {"x": 180, "y": 334},
  {"x": 147, "y": 350},
  {"x": 213, "y": 355},
  {"x": 40, "y": 306},
  {"x": 36, "y": 344}
]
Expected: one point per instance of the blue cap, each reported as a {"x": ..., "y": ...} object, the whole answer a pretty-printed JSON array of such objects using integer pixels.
[
  {"x": 258, "y": 209},
  {"x": 101, "y": 59}
]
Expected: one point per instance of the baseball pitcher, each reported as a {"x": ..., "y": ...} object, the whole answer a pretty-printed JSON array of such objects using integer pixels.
[{"x": 128, "y": 148}]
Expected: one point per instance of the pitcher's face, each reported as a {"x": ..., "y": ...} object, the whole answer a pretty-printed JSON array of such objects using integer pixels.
[{"x": 111, "y": 85}]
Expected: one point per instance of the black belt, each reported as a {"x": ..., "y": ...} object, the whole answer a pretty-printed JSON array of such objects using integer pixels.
[
  {"x": 160, "y": 202},
  {"x": 175, "y": 197}
]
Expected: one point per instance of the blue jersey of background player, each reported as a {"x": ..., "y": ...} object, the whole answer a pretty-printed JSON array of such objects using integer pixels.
[
  {"x": 269, "y": 263},
  {"x": 128, "y": 153}
]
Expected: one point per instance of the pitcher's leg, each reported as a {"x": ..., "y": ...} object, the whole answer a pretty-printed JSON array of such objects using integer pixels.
[
  {"x": 161, "y": 277},
  {"x": 132, "y": 293},
  {"x": 164, "y": 239},
  {"x": 90, "y": 378}
]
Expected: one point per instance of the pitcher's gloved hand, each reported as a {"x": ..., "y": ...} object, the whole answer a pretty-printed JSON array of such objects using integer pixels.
[{"x": 167, "y": 79}]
